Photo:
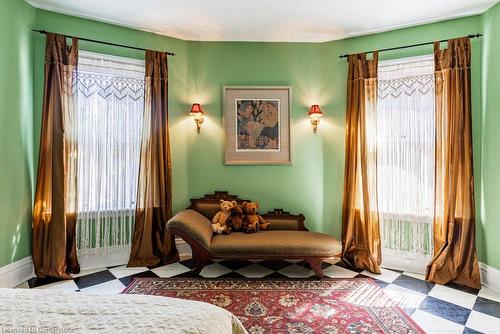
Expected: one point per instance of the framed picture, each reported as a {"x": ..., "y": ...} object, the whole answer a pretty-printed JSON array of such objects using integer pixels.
[{"x": 257, "y": 125}]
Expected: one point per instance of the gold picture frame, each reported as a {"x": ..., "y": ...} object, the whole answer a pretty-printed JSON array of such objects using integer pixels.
[{"x": 257, "y": 125}]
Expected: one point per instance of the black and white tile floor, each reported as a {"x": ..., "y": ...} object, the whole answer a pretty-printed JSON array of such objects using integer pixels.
[{"x": 436, "y": 308}]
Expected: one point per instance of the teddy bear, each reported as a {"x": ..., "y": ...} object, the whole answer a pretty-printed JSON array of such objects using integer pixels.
[
  {"x": 219, "y": 222},
  {"x": 236, "y": 219},
  {"x": 254, "y": 222}
]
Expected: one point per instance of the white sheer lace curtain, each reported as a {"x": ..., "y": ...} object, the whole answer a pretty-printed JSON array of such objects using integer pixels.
[
  {"x": 405, "y": 161},
  {"x": 110, "y": 105}
]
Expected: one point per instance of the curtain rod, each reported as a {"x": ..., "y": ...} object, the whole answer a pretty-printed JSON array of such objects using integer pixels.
[
  {"x": 102, "y": 42},
  {"x": 410, "y": 46}
]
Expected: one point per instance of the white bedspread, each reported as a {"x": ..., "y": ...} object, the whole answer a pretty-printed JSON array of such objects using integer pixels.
[{"x": 38, "y": 311}]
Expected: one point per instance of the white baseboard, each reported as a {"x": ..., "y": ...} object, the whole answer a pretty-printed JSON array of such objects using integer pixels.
[
  {"x": 183, "y": 248},
  {"x": 414, "y": 265},
  {"x": 118, "y": 257},
  {"x": 16, "y": 273},
  {"x": 490, "y": 277},
  {"x": 20, "y": 271}
]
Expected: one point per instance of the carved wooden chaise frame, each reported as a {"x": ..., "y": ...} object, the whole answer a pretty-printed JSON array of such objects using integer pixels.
[{"x": 202, "y": 256}]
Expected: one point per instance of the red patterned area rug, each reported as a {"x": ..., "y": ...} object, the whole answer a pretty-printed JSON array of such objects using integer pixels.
[{"x": 330, "y": 306}]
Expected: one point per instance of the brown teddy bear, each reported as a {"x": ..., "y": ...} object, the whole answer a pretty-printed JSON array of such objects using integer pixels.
[
  {"x": 236, "y": 220},
  {"x": 253, "y": 221},
  {"x": 219, "y": 222}
]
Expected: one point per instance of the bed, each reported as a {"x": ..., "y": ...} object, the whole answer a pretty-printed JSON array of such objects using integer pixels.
[{"x": 40, "y": 311}]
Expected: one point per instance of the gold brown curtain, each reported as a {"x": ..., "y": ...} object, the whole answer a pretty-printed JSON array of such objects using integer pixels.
[
  {"x": 53, "y": 237},
  {"x": 152, "y": 244},
  {"x": 360, "y": 224},
  {"x": 455, "y": 258}
]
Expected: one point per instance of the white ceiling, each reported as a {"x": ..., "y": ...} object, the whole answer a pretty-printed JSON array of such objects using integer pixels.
[{"x": 266, "y": 20}]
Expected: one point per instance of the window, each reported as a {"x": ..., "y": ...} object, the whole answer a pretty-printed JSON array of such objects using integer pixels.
[
  {"x": 405, "y": 161},
  {"x": 109, "y": 112}
]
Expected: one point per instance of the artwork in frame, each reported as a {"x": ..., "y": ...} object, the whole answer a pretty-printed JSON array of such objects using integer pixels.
[{"x": 257, "y": 125}]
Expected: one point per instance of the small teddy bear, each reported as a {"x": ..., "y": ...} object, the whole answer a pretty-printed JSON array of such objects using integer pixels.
[
  {"x": 219, "y": 222},
  {"x": 236, "y": 219},
  {"x": 254, "y": 222}
]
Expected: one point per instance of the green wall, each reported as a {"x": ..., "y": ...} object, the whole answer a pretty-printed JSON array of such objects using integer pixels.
[
  {"x": 16, "y": 130},
  {"x": 297, "y": 187},
  {"x": 490, "y": 185},
  {"x": 311, "y": 185}
]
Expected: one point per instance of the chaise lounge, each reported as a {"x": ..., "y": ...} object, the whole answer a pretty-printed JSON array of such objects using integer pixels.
[{"x": 287, "y": 239}]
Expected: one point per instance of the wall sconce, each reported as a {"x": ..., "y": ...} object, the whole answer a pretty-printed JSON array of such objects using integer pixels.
[
  {"x": 197, "y": 114},
  {"x": 314, "y": 115}
]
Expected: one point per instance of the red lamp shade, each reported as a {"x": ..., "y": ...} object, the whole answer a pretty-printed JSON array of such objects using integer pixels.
[
  {"x": 196, "y": 110},
  {"x": 197, "y": 114},
  {"x": 315, "y": 112}
]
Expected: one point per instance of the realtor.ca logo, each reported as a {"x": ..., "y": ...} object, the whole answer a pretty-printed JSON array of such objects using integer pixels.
[{"x": 36, "y": 329}]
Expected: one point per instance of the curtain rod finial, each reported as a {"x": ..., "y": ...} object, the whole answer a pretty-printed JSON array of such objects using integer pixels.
[{"x": 475, "y": 35}]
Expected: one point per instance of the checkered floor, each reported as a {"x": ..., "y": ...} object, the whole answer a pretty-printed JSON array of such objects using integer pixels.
[{"x": 436, "y": 308}]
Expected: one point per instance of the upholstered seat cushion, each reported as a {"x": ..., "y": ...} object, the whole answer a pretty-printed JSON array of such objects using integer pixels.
[{"x": 275, "y": 243}]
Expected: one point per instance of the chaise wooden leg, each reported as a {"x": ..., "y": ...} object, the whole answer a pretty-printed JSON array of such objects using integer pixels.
[
  {"x": 315, "y": 265},
  {"x": 200, "y": 261}
]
